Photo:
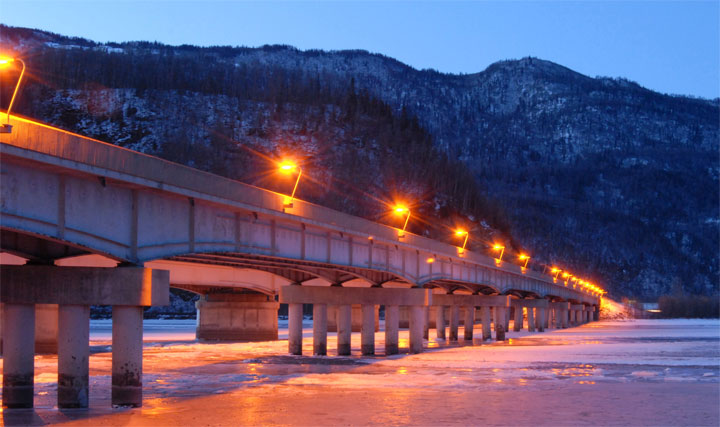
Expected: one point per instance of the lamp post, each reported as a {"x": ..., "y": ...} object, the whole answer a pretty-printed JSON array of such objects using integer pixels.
[
  {"x": 4, "y": 61},
  {"x": 500, "y": 248},
  {"x": 401, "y": 210},
  {"x": 524, "y": 257},
  {"x": 556, "y": 271},
  {"x": 460, "y": 233},
  {"x": 287, "y": 167}
]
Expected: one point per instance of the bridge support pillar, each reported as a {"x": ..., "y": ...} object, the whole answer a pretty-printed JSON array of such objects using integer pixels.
[
  {"x": 344, "y": 329},
  {"x": 367, "y": 335},
  {"x": 73, "y": 356},
  {"x": 565, "y": 317},
  {"x": 530, "y": 319},
  {"x": 596, "y": 313},
  {"x": 469, "y": 322},
  {"x": 454, "y": 322},
  {"x": 507, "y": 319},
  {"x": 518, "y": 320},
  {"x": 417, "y": 320},
  {"x": 237, "y": 317},
  {"x": 540, "y": 319},
  {"x": 440, "y": 322},
  {"x": 127, "y": 336},
  {"x": 320, "y": 329},
  {"x": 485, "y": 315},
  {"x": 426, "y": 323},
  {"x": 499, "y": 323},
  {"x": 392, "y": 324},
  {"x": 557, "y": 314},
  {"x": 295, "y": 319},
  {"x": 46, "y": 328},
  {"x": 357, "y": 318},
  {"x": 18, "y": 355}
]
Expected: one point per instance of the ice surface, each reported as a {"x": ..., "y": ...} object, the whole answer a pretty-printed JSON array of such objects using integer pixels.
[{"x": 634, "y": 372}]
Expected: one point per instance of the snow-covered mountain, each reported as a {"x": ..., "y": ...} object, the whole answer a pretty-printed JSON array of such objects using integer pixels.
[{"x": 598, "y": 175}]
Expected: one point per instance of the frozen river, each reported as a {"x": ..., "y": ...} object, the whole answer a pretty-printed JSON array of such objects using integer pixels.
[{"x": 641, "y": 372}]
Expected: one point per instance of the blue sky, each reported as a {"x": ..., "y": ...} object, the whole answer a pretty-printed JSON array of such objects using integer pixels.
[{"x": 671, "y": 47}]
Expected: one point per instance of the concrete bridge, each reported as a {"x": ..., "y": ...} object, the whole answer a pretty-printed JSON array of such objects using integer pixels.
[{"x": 93, "y": 223}]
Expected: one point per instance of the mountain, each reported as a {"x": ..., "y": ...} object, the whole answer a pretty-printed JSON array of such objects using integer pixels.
[{"x": 604, "y": 178}]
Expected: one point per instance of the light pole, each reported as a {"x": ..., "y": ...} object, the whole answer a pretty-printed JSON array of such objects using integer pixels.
[
  {"x": 524, "y": 257},
  {"x": 500, "y": 248},
  {"x": 287, "y": 167},
  {"x": 5, "y": 61},
  {"x": 460, "y": 233},
  {"x": 401, "y": 210}
]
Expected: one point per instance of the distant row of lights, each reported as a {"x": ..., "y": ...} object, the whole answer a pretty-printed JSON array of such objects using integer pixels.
[{"x": 288, "y": 167}]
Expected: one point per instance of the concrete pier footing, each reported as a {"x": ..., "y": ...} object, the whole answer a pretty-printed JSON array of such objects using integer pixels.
[
  {"x": 417, "y": 320},
  {"x": 237, "y": 317},
  {"x": 540, "y": 319},
  {"x": 530, "y": 318},
  {"x": 18, "y": 360},
  {"x": 392, "y": 325},
  {"x": 469, "y": 322},
  {"x": 454, "y": 322},
  {"x": 440, "y": 322},
  {"x": 486, "y": 319},
  {"x": 518, "y": 318},
  {"x": 367, "y": 334},
  {"x": 499, "y": 323},
  {"x": 127, "y": 351},
  {"x": 73, "y": 356},
  {"x": 344, "y": 333},
  {"x": 320, "y": 329},
  {"x": 295, "y": 319}
]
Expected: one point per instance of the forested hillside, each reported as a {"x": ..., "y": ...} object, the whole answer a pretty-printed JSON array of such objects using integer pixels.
[{"x": 598, "y": 175}]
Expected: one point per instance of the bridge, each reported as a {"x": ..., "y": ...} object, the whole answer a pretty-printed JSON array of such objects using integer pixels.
[{"x": 91, "y": 223}]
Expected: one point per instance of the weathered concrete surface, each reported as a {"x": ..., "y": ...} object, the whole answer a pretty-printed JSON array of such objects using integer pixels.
[
  {"x": 332, "y": 295},
  {"x": 357, "y": 318},
  {"x": 18, "y": 361},
  {"x": 40, "y": 284},
  {"x": 73, "y": 356},
  {"x": 471, "y": 300},
  {"x": 237, "y": 317},
  {"x": 127, "y": 355}
]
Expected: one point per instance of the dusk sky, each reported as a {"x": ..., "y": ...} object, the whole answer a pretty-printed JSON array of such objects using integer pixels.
[{"x": 671, "y": 47}]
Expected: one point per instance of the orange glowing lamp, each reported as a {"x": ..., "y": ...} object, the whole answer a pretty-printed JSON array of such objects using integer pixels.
[
  {"x": 401, "y": 209},
  {"x": 461, "y": 233},
  {"x": 500, "y": 248},
  {"x": 288, "y": 167},
  {"x": 555, "y": 271},
  {"x": 524, "y": 257},
  {"x": 4, "y": 62}
]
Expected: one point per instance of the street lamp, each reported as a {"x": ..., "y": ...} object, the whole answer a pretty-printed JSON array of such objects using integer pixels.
[
  {"x": 401, "y": 210},
  {"x": 4, "y": 62},
  {"x": 500, "y": 248},
  {"x": 287, "y": 167},
  {"x": 555, "y": 271},
  {"x": 460, "y": 233},
  {"x": 524, "y": 257}
]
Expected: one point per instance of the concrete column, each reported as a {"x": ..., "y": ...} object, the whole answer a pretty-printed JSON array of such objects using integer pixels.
[
  {"x": 237, "y": 317},
  {"x": 571, "y": 317},
  {"x": 18, "y": 355},
  {"x": 507, "y": 319},
  {"x": 564, "y": 317},
  {"x": 557, "y": 313},
  {"x": 426, "y": 324},
  {"x": 295, "y": 319},
  {"x": 440, "y": 321},
  {"x": 46, "y": 328},
  {"x": 367, "y": 335},
  {"x": 485, "y": 314},
  {"x": 596, "y": 314},
  {"x": 547, "y": 318},
  {"x": 73, "y": 356},
  {"x": 127, "y": 348},
  {"x": 344, "y": 334},
  {"x": 499, "y": 323},
  {"x": 392, "y": 323},
  {"x": 540, "y": 319},
  {"x": 454, "y": 322},
  {"x": 530, "y": 318},
  {"x": 417, "y": 319},
  {"x": 469, "y": 322},
  {"x": 320, "y": 329},
  {"x": 578, "y": 317},
  {"x": 518, "y": 320}
]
